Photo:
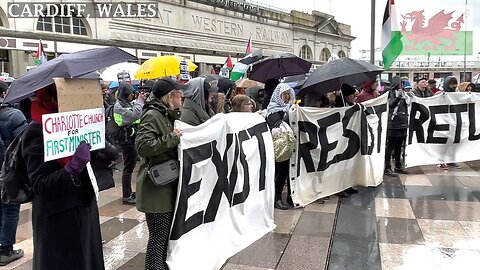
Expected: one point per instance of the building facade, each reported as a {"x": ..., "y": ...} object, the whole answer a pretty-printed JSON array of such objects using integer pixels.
[{"x": 205, "y": 31}]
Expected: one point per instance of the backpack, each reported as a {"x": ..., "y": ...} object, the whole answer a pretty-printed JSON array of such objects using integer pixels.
[
  {"x": 112, "y": 130},
  {"x": 15, "y": 185}
]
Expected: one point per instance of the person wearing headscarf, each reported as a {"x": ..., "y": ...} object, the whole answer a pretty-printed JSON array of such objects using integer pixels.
[
  {"x": 126, "y": 113},
  {"x": 65, "y": 221},
  {"x": 283, "y": 97},
  {"x": 397, "y": 126},
  {"x": 194, "y": 110},
  {"x": 270, "y": 86},
  {"x": 369, "y": 91},
  {"x": 157, "y": 141},
  {"x": 242, "y": 103},
  {"x": 346, "y": 97}
]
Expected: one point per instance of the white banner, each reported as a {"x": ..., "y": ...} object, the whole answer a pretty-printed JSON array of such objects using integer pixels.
[
  {"x": 443, "y": 129},
  {"x": 338, "y": 148},
  {"x": 225, "y": 193},
  {"x": 63, "y": 132}
]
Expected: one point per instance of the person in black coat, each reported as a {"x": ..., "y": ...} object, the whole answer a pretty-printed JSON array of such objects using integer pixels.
[
  {"x": 65, "y": 221},
  {"x": 397, "y": 126}
]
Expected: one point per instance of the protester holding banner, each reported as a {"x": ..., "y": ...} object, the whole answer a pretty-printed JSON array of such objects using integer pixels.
[
  {"x": 369, "y": 91},
  {"x": 194, "y": 110},
  {"x": 450, "y": 84},
  {"x": 421, "y": 90},
  {"x": 432, "y": 85},
  {"x": 127, "y": 117},
  {"x": 283, "y": 98},
  {"x": 65, "y": 221},
  {"x": 242, "y": 103},
  {"x": 397, "y": 126},
  {"x": 256, "y": 93},
  {"x": 346, "y": 97},
  {"x": 157, "y": 143}
]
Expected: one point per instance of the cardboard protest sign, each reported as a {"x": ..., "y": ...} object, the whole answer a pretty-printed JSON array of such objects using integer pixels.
[
  {"x": 63, "y": 132},
  {"x": 78, "y": 94}
]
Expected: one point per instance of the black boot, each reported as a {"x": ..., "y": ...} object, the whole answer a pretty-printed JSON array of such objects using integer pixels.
[{"x": 279, "y": 204}]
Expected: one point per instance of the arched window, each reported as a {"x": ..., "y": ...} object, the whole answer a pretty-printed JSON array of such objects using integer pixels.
[
  {"x": 72, "y": 25},
  {"x": 341, "y": 54},
  {"x": 325, "y": 55},
  {"x": 306, "y": 53}
]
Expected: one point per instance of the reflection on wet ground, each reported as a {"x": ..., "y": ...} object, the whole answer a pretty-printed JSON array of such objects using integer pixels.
[{"x": 429, "y": 219}]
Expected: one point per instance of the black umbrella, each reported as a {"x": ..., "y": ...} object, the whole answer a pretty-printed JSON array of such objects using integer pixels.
[
  {"x": 279, "y": 65},
  {"x": 330, "y": 76},
  {"x": 71, "y": 65}
]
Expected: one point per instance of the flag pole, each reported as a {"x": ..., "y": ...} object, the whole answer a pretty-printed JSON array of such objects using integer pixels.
[
  {"x": 465, "y": 45},
  {"x": 372, "y": 32}
]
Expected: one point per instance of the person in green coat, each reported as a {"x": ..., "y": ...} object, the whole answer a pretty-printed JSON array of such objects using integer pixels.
[{"x": 157, "y": 142}]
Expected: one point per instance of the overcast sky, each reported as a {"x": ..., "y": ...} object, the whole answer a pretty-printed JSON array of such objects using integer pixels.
[{"x": 357, "y": 15}]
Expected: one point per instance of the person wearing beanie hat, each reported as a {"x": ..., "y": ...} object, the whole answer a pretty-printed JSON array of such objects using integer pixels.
[
  {"x": 156, "y": 142},
  {"x": 347, "y": 96},
  {"x": 368, "y": 91},
  {"x": 127, "y": 116},
  {"x": 421, "y": 90}
]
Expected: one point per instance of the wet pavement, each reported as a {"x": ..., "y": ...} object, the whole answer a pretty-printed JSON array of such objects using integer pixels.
[{"x": 429, "y": 219}]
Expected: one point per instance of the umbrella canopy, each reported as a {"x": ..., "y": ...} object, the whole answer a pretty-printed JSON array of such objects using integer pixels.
[
  {"x": 65, "y": 66},
  {"x": 247, "y": 83},
  {"x": 330, "y": 76},
  {"x": 162, "y": 66},
  {"x": 110, "y": 74},
  {"x": 279, "y": 65}
]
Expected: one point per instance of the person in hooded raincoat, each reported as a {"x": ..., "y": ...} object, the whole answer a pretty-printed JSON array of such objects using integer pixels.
[
  {"x": 368, "y": 91},
  {"x": 397, "y": 126},
  {"x": 127, "y": 116},
  {"x": 194, "y": 110}
]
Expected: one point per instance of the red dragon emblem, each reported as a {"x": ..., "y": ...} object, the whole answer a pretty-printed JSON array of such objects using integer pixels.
[{"x": 438, "y": 28}]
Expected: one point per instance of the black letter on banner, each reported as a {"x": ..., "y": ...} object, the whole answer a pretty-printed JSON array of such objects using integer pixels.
[
  {"x": 257, "y": 131},
  {"x": 325, "y": 146},
  {"x": 416, "y": 124},
  {"x": 190, "y": 157},
  {"x": 304, "y": 148},
  {"x": 364, "y": 148},
  {"x": 378, "y": 110},
  {"x": 439, "y": 109},
  {"x": 354, "y": 140},
  {"x": 471, "y": 119},
  {"x": 239, "y": 198},
  {"x": 458, "y": 109},
  {"x": 223, "y": 185}
]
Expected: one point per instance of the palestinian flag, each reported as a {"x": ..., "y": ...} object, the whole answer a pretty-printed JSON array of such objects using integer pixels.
[
  {"x": 252, "y": 57},
  {"x": 40, "y": 56},
  {"x": 249, "y": 46},
  {"x": 238, "y": 71},
  {"x": 392, "y": 45},
  {"x": 228, "y": 64}
]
